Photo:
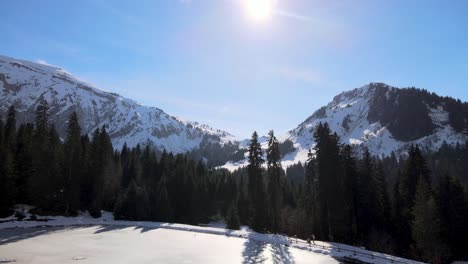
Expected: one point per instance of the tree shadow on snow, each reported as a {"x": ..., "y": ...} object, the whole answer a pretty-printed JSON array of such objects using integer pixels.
[
  {"x": 281, "y": 254},
  {"x": 109, "y": 228},
  {"x": 256, "y": 252},
  {"x": 253, "y": 252},
  {"x": 12, "y": 235}
]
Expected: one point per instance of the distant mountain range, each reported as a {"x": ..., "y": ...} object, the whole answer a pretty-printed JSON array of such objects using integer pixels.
[
  {"x": 24, "y": 84},
  {"x": 377, "y": 116}
]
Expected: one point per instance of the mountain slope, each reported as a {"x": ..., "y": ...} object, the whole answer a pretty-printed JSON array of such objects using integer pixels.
[
  {"x": 384, "y": 119},
  {"x": 24, "y": 84},
  {"x": 381, "y": 118}
]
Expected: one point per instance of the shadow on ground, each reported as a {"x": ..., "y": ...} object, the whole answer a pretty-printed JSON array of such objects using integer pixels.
[
  {"x": 12, "y": 235},
  {"x": 257, "y": 251}
]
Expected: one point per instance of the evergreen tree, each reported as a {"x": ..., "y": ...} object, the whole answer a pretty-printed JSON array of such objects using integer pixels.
[
  {"x": 274, "y": 182},
  {"x": 132, "y": 204},
  {"x": 42, "y": 116},
  {"x": 23, "y": 163},
  {"x": 163, "y": 204},
  {"x": 10, "y": 128},
  {"x": 73, "y": 165},
  {"x": 256, "y": 186},
  {"x": 232, "y": 221},
  {"x": 426, "y": 226},
  {"x": 329, "y": 201},
  {"x": 43, "y": 179},
  {"x": 351, "y": 193},
  {"x": 310, "y": 196},
  {"x": 415, "y": 168},
  {"x": 454, "y": 215},
  {"x": 54, "y": 161},
  {"x": 6, "y": 173},
  {"x": 243, "y": 202}
]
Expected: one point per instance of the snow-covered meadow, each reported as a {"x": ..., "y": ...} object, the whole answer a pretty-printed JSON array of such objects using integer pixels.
[
  {"x": 121, "y": 244},
  {"x": 104, "y": 240}
]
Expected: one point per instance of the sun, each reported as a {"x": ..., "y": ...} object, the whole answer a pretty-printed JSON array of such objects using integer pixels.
[{"x": 260, "y": 10}]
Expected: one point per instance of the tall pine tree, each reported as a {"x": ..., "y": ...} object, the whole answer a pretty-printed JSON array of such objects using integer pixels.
[
  {"x": 257, "y": 194},
  {"x": 274, "y": 172}
]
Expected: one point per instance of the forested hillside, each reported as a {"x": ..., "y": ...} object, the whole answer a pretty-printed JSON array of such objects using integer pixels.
[{"x": 415, "y": 206}]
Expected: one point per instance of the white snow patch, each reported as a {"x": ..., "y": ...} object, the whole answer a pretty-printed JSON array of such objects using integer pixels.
[{"x": 102, "y": 240}]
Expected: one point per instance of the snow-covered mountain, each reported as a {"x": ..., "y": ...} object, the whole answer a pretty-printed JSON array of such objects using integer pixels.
[
  {"x": 383, "y": 119},
  {"x": 24, "y": 84}
]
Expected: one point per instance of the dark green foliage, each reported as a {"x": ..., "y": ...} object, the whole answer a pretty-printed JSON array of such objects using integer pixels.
[
  {"x": 132, "y": 204},
  {"x": 426, "y": 224},
  {"x": 232, "y": 220},
  {"x": 162, "y": 202},
  {"x": 42, "y": 116},
  {"x": 407, "y": 206},
  {"x": 296, "y": 173},
  {"x": 416, "y": 168},
  {"x": 409, "y": 119},
  {"x": 330, "y": 216},
  {"x": 24, "y": 163},
  {"x": 286, "y": 147},
  {"x": 74, "y": 165},
  {"x": 6, "y": 172},
  {"x": 351, "y": 194},
  {"x": 274, "y": 174},
  {"x": 453, "y": 215},
  {"x": 256, "y": 190},
  {"x": 215, "y": 154}
]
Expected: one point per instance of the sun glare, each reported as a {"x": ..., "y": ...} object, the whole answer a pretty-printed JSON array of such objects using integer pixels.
[{"x": 260, "y": 10}]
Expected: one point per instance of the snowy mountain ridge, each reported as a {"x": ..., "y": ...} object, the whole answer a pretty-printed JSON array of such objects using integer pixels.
[
  {"x": 377, "y": 116},
  {"x": 371, "y": 117},
  {"x": 24, "y": 84},
  {"x": 350, "y": 116}
]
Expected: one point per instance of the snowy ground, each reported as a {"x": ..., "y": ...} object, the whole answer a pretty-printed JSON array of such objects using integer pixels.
[
  {"x": 104, "y": 240},
  {"x": 112, "y": 244}
]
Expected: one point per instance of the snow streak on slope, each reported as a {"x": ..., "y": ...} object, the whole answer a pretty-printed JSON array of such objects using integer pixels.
[{"x": 25, "y": 84}]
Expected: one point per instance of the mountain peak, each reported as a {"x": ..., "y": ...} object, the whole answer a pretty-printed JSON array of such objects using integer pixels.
[
  {"x": 24, "y": 84},
  {"x": 385, "y": 120}
]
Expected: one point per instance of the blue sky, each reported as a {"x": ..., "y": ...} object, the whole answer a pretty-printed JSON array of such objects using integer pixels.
[{"x": 208, "y": 61}]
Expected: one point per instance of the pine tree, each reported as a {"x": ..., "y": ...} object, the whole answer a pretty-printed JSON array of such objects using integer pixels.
[
  {"x": 10, "y": 128},
  {"x": 274, "y": 171},
  {"x": 54, "y": 162},
  {"x": 6, "y": 173},
  {"x": 44, "y": 187},
  {"x": 256, "y": 186},
  {"x": 426, "y": 224},
  {"x": 42, "y": 116},
  {"x": 415, "y": 168},
  {"x": 329, "y": 201},
  {"x": 232, "y": 221},
  {"x": 73, "y": 165},
  {"x": 454, "y": 215},
  {"x": 163, "y": 205},
  {"x": 242, "y": 202},
  {"x": 351, "y": 192},
  {"x": 310, "y": 196},
  {"x": 23, "y": 163},
  {"x": 132, "y": 204}
]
